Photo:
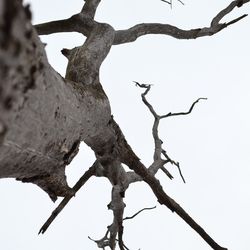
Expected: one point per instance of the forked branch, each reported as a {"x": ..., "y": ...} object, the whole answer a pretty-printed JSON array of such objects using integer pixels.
[
  {"x": 130, "y": 159},
  {"x": 130, "y": 35},
  {"x": 159, "y": 163}
]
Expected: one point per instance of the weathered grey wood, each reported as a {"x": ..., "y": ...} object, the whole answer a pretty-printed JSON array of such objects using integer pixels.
[{"x": 43, "y": 117}]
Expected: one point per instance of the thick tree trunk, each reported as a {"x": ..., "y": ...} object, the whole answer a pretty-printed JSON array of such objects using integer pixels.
[{"x": 43, "y": 117}]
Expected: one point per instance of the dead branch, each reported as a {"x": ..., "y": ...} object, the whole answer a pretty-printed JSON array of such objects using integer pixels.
[
  {"x": 131, "y": 34},
  {"x": 177, "y": 164},
  {"x": 134, "y": 163},
  {"x": 164, "y": 170},
  {"x": 183, "y": 113},
  {"x": 134, "y": 215},
  {"x": 171, "y": 2},
  {"x": 90, "y": 8},
  {"x": 129, "y": 158},
  {"x": 90, "y": 172},
  {"x": 77, "y": 23},
  {"x": 158, "y": 163}
]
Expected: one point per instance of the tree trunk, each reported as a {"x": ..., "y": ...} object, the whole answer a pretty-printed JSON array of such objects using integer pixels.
[{"x": 43, "y": 117}]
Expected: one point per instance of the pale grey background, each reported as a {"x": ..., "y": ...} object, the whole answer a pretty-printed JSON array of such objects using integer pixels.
[{"x": 212, "y": 144}]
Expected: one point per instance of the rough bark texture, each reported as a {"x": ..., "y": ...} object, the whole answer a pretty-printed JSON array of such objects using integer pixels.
[{"x": 44, "y": 117}]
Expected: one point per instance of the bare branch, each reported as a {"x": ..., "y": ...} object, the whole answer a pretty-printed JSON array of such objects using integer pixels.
[
  {"x": 133, "y": 162},
  {"x": 65, "y": 25},
  {"x": 77, "y": 23},
  {"x": 174, "y": 163},
  {"x": 183, "y": 113},
  {"x": 90, "y": 7},
  {"x": 236, "y": 19},
  {"x": 133, "y": 216},
  {"x": 227, "y": 10},
  {"x": 166, "y": 2},
  {"x": 90, "y": 172},
  {"x": 181, "y": 2},
  {"x": 128, "y": 157},
  {"x": 164, "y": 170},
  {"x": 120, "y": 235},
  {"x": 82, "y": 22},
  {"x": 130, "y": 35},
  {"x": 171, "y": 2},
  {"x": 102, "y": 243},
  {"x": 147, "y": 87}
]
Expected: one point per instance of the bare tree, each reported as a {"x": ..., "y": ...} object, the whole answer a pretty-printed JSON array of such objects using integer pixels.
[{"x": 44, "y": 116}]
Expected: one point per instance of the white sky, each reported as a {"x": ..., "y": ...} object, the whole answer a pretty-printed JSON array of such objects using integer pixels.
[{"x": 211, "y": 144}]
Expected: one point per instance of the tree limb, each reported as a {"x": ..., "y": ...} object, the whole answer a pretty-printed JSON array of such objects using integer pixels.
[
  {"x": 90, "y": 7},
  {"x": 90, "y": 172},
  {"x": 131, "y": 34},
  {"x": 158, "y": 162},
  {"x": 77, "y": 23},
  {"x": 163, "y": 198},
  {"x": 183, "y": 113},
  {"x": 129, "y": 158},
  {"x": 134, "y": 215}
]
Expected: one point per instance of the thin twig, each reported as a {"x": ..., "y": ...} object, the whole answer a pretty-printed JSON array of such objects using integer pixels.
[
  {"x": 181, "y": 2},
  {"x": 166, "y": 2},
  {"x": 133, "y": 216},
  {"x": 147, "y": 87},
  {"x": 236, "y": 19},
  {"x": 164, "y": 170},
  {"x": 174, "y": 163},
  {"x": 183, "y": 113}
]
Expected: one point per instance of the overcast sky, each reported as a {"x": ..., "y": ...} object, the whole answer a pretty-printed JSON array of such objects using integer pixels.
[{"x": 212, "y": 144}]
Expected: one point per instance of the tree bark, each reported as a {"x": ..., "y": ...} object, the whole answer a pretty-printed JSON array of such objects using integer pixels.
[{"x": 43, "y": 117}]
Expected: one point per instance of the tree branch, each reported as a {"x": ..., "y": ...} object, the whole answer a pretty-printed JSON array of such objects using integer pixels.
[
  {"x": 227, "y": 10},
  {"x": 183, "y": 113},
  {"x": 158, "y": 162},
  {"x": 90, "y": 172},
  {"x": 177, "y": 164},
  {"x": 77, "y": 23},
  {"x": 128, "y": 157},
  {"x": 130, "y": 35},
  {"x": 82, "y": 22},
  {"x": 134, "y": 215},
  {"x": 90, "y": 7},
  {"x": 134, "y": 163}
]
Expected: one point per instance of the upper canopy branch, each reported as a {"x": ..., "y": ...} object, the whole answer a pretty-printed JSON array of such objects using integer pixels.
[
  {"x": 77, "y": 23},
  {"x": 90, "y": 7},
  {"x": 130, "y": 35},
  {"x": 82, "y": 22}
]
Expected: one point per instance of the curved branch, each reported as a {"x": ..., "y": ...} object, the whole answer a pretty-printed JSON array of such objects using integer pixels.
[
  {"x": 134, "y": 163},
  {"x": 90, "y": 7},
  {"x": 129, "y": 158},
  {"x": 183, "y": 113},
  {"x": 134, "y": 215},
  {"x": 130, "y": 35}
]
